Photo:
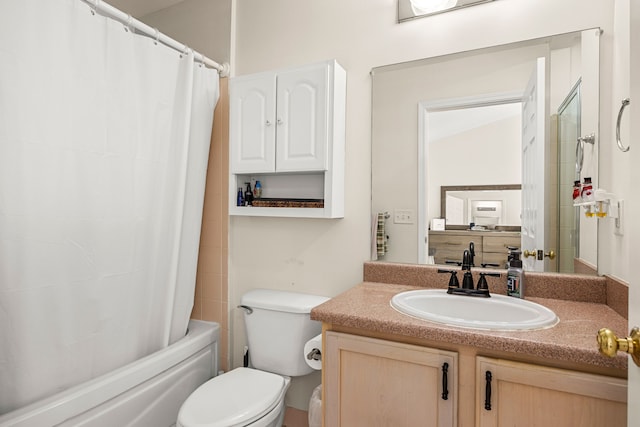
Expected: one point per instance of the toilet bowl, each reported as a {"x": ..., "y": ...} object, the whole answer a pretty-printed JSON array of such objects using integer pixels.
[
  {"x": 241, "y": 397},
  {"x": 277, "y": 325}
]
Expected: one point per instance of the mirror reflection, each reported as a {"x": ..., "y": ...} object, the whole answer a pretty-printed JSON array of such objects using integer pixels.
[
  {"x": 465, "y": 120},
  {"x": 481, "y": 207}
]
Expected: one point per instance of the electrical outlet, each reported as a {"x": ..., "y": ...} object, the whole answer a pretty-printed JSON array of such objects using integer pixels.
[{"x": 404, "y": 216}]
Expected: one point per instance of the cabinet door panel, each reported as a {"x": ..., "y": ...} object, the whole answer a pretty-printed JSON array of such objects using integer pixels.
[
  {"x": 528, "y": 395},
  {"x": 303, "y": 119},
  {"x": 252, "y": 127},
  {"x": 372, "y": 382},
  {"x": 448, "y": 247}
]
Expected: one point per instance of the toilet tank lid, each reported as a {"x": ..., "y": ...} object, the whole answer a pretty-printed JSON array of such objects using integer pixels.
[{"x": 289, "y": 302}]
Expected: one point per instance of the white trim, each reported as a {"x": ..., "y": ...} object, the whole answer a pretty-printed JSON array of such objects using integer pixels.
[{"x": 431, "y": 106}]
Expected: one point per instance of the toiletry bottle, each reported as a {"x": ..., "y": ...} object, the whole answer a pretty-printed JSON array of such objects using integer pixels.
[
  {"x": 240, "y": 200},
  {"x": 248, "y": 195},
  {"x": 576, "y": 191},
  {"x": 515, "y": 275},
  {"x": 587, "y": 190},
  {"x": 257, "y": 190},
  {"x": 587, "y": 196}
]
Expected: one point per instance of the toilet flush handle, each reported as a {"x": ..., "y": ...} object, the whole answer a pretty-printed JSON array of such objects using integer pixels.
[{"x": 246, "y": 308}]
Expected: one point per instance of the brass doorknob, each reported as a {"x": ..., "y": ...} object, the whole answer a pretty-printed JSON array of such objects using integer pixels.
[
  {"x": 539, "y": 254},
  {"x": 609, "y": 344}
]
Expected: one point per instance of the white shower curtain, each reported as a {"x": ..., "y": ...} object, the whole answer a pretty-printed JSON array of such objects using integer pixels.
[{"x": 104, "y": 141}]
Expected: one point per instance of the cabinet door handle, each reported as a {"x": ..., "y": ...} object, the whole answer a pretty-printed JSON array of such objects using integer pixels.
[
  {"x": 445, "y": 381},
  {"x": 487, "y": 391}
]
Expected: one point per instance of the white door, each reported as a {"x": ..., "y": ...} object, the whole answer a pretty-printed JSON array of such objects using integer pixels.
[
  {"x": 252, "y": 127},
  {"x": 633, "y": 119},
  {"x": 533, "y": 167},
  {"x": 303, "y": 119}
]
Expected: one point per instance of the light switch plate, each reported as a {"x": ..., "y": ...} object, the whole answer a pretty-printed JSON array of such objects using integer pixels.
[{"x": 404, "y": 216}]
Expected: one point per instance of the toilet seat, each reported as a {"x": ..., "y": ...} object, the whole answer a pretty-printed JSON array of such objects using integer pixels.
[{"x": 236, "y": 398}]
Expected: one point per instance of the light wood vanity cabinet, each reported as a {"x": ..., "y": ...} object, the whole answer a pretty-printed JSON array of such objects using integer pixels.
[
  {"x": 376, "y": 382},
  {"x": 490, "y": 246},
  {"x": 522, "y": 394},
  {"x": 371, "y": 382}
]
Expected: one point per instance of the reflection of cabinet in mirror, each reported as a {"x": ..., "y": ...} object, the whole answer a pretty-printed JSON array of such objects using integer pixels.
[
  {"x": 476, "y": 205},
  {"x": 490, "y": 246}
]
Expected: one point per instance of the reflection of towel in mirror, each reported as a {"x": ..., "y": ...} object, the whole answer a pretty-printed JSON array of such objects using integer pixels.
[
  {"x": 374, "y": 237},
  {"x": 381, "y": 238}
]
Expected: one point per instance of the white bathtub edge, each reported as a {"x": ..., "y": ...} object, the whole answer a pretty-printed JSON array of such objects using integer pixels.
[{"x": 62, "y": 406}]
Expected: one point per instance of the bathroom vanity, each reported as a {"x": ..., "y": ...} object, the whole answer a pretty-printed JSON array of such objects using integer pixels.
[
  {"x": 382, "y": 367},
  {"x": 490, "y": 246}
]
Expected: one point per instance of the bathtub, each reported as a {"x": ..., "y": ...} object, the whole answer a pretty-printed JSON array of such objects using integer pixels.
[{"x": 147, "y": 392}]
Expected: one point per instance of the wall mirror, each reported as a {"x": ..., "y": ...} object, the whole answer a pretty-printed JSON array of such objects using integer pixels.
[
  {"x": 458, "y": 120},
  {"x": 481, "y": 207}
]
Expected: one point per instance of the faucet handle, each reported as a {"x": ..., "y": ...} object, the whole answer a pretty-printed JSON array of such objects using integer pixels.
[
  {"x": 453, "y": 280},
  {"x": 482, "y": 282}
]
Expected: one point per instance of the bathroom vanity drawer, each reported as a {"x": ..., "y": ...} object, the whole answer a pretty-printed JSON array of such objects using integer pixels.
[
  {"x": 451, "y": 242},
  {"x": 448, "y": 247},
  {"x": 500, "y": 260},
  {"x": 499, "y": 244}
]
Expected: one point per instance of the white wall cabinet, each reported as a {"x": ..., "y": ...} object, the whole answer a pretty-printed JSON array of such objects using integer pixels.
[
  {"x": 371, "y": 382},
  {"x": 287, "y": 130}
]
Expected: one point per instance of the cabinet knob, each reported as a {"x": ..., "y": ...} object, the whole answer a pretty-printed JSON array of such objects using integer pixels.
[
  {"x": 280, "y": 121},
  {"x": 609, "y": 344},
  {"x": 268, "y": 123}
]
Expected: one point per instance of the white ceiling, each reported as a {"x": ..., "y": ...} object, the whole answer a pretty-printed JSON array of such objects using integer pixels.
[{"x": 138, "y": 8}]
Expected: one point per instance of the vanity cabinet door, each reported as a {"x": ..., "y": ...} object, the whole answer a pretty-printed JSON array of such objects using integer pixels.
[
  {"x": 449, "y": 247},
  {"x": 371, "y": 382},
  {"x": 495, "y": 248},
  {"x": 521, "y": 394}
]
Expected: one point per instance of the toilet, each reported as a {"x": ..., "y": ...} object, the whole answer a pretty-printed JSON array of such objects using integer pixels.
[{"x": 278, "y": 326}]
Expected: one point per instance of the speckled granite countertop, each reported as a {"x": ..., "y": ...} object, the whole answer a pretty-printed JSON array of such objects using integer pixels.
[{"x": 367, "y": 307}]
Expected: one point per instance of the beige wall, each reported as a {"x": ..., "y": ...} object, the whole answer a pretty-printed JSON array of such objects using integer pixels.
[{"x": 203, "y": 25}]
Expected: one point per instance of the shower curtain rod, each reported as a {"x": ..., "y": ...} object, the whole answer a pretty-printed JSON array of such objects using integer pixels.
[{"x": 102, "y": 8}]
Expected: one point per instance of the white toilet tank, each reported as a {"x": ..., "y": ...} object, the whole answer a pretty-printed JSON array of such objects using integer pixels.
[{"x": 278, "y": 325}]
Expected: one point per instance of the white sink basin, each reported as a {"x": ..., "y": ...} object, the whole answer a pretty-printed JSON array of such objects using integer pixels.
[{"x": 497, "y": 313}]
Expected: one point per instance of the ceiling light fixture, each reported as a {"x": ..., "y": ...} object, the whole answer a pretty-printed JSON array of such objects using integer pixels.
[
  {"x": 410, "y": 9},
  {"x": 423, "y": 7}
]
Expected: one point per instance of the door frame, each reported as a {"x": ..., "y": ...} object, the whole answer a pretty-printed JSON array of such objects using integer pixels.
[{"x": 424, "y": 109}]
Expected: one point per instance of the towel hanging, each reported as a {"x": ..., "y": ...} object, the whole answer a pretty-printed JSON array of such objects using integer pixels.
[{"x": 381, "y": 235}]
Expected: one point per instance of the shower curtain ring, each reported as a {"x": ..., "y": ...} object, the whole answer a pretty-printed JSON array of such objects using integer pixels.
[
  {"x": 127, "y": 27},
  {"x": 156, "y": 37},
  {"x": 94, "y": 8},
  {"x": 184, "y": 51}
]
